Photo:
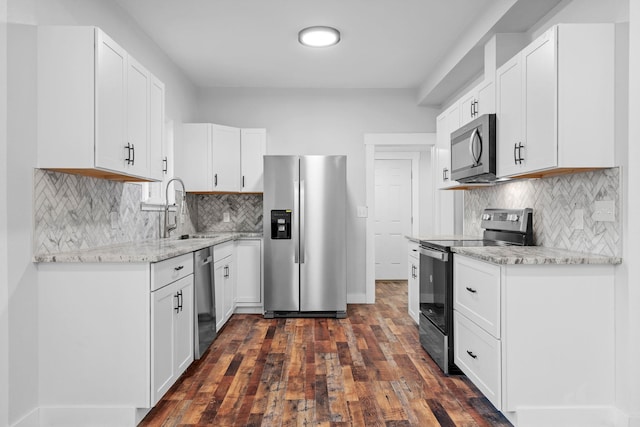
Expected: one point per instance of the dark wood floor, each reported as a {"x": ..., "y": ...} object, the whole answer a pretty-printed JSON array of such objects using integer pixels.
[{"x": 365, "y": 370}]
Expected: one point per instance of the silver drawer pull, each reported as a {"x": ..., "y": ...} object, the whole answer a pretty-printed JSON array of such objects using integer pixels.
[
  {"x": 473, "y": 291},
  {"x": 178, "y": 268},
  {"x": 470, "y": 353}
]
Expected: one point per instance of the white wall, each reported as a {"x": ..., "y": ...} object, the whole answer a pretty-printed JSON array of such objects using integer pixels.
[
  {"x": 332, "y": 121},
  {"x": 21, "y": 386},
  {"x": 4, "y": 282},
  {"x": 22, "y": 275},
  {"x": 628, "y": 295}
]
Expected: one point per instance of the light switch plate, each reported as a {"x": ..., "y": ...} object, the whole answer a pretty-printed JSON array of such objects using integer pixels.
[
  {"x": 113, "y": 216},
  {"x": 578, "y": 219},
  {"x": 226, "y": 217},
  {"x": 362, "y": 212},
  {"x": 604, "y": 210}
]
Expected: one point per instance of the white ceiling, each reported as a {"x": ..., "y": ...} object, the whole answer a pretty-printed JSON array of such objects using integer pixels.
[{"x": 253, "y": 43}]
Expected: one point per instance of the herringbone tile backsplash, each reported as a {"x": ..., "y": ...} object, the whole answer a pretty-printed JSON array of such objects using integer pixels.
[
  {"x": 554, "y": 201},
  {"x": 245, "y": 212},
  {"x": 74, "y": 212}
]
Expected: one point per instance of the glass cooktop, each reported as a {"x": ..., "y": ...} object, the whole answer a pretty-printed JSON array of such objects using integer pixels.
[{"x": 446, "y": 245}]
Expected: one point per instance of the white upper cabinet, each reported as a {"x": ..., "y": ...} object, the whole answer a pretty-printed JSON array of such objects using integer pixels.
[
  {"x": 218, "y": 158},
  {"x": 555, "y": 103},
  {"x": 225, "y": 142},
  {"x": 138, "y": 94},
  {"x": 94, "y": 106},
  {"x": 158, "y": 159},
  {"x": 480, "y": 100},
  {"x": 446, "y": 123},
  {"x": 252, "y": 150}
]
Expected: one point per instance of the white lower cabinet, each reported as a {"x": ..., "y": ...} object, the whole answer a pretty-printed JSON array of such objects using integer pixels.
[
  {"x": 249, "y": 275},
  {"x": 172, "y": 323},
  {"x": 537, "y": 340},
  {"x": 224, "y": 283},
  {"x": 413, "y": 285},
  {"x": 115, "y": 337}
]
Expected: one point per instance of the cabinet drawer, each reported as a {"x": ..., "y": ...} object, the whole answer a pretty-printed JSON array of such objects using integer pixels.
[
  {"x": 170, "y": 270},
  {"x": 414, "y": 249},
  {"x": 477, "y": 354},
  {"x": 476, "y": 292},
  {"x": 222, "y": 251}
]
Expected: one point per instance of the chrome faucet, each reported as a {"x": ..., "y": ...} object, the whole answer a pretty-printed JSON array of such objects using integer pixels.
[{"x": 170, "y": 227}]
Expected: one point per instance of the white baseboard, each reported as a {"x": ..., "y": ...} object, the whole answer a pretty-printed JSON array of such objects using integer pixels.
[
  {"x": 88, "y": 417},
  {"x": 32, "y": 419},
  {"x": 622, "y": 419},
  {"x": 356, "y": 298},
  {"x": 594, "y": 416},
  {"x": 249, "y": 310}
]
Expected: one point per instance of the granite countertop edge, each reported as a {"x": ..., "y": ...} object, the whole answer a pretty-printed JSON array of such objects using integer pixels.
[
  {"x": 144, "y": 251},
  {"x": 534, "y": 255}
]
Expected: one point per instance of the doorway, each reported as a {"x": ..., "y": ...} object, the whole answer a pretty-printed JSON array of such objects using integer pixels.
[
  {"x": 416, "y": 147},
  {"x": 393, "y": 217}
]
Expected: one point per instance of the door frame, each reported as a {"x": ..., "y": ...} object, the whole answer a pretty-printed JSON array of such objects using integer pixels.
[{"x": 390, "y": 146}]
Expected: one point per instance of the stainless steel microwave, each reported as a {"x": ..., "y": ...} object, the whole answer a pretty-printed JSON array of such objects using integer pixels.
[{"x": 473, "y": 151}]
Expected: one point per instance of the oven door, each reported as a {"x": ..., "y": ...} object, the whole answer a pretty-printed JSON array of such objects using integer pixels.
[{"x": 435, "y": 281}]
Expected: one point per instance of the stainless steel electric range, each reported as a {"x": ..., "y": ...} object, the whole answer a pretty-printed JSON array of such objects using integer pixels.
[{"x": 501, "y": 227}]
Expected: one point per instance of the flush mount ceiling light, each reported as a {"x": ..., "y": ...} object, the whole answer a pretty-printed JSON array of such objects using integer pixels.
[{"x": 319, "y": 36}]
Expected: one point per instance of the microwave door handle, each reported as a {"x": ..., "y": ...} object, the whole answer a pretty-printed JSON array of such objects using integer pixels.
[{"x": 472, "y": 146}]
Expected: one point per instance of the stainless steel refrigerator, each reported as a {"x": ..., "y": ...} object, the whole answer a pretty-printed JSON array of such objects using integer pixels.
[{"x": 304, "y": 236}]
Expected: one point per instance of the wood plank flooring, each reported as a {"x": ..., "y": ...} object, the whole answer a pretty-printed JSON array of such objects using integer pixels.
[{"x": 365, "y": 370}]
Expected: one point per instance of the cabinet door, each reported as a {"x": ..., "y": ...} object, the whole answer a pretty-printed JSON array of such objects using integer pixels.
[
  {"x": 164, "y": 303},
  {"x": 111, "y": 103},
  {"x": 509, "y": 117},
  {"x": 195, "y": 164},
  {"x": 158, "y": 153},
  {"x": 468, "y": 107},
  {"x": 540, "y": 106},
  {"x": 248, "y": 277},
  {"x": 229, "y": 289},
  {"x": 184, "y": 324},
  {"x": 138, "y": 85},
  {"x": 486, "y": 98},
  {"x": 413, "y": 288},
  {"x": 253, "y": 148},
  {"x": 219, "y": 286},
  {"x": 226, "y": 158}
]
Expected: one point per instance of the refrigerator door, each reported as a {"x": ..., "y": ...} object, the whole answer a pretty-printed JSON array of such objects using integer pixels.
[
  {"x": 323, "y": 264},
  {"x": 281, "y": 271}
]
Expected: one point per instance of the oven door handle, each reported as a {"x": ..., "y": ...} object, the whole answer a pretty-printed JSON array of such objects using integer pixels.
[{"x": 441, "y": 256}]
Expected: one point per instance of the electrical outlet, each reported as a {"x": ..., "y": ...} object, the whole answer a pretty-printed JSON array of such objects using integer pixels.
[
  {"x": 113, "y": 217},
  {"x": 578, "y": 219},
  {"x": 604, "y": 210},
  {"x": 362, "y": 212},
  {"x": 226, "y": 217}
]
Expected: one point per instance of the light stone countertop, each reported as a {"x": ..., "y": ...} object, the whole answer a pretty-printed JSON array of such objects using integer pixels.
[
  {"x": 533, "y": 255},
  {"x": 417, "y": 239},
  {"x": 145, "y": 251}
]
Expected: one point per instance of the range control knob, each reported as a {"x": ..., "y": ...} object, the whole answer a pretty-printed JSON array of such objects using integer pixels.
[
  {"x": 513, "y": 217},
  {"x": 486, "y": 217}
]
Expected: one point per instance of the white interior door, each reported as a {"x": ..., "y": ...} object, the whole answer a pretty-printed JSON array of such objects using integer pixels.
[{"x": 393, "y": 217}]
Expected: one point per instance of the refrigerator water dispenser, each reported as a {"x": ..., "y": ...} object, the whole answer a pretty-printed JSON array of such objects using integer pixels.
[{"x": 281, "y": 224}]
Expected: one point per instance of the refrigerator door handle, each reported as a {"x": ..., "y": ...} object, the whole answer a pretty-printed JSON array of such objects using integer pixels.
[
  {"x": 302, "y": 245},
  {"x": 294, "y": 231}
]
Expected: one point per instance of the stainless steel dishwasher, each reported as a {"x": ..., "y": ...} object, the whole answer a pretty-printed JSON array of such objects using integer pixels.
[{"x": 205, "y": 312}]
